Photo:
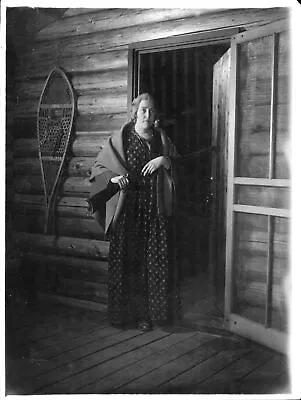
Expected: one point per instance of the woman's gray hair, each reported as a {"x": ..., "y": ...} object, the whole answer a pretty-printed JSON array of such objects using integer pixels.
[{"x": 137, "y": 101}]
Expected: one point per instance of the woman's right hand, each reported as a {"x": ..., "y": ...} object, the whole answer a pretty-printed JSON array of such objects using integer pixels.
[{"x": 122, "y": 180}]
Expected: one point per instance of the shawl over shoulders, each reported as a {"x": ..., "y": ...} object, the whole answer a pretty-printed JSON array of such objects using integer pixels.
[{"x": 111, "y": 162}]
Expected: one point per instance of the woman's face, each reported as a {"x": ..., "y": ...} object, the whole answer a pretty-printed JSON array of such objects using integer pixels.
[{"x": 146, "y": 114}]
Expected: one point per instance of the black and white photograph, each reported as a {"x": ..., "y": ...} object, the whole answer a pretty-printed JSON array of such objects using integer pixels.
[{"x": 148, "y": 198}]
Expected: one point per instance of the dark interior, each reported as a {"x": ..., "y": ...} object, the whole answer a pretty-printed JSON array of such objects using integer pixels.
[{"x": 181, "y": 82}]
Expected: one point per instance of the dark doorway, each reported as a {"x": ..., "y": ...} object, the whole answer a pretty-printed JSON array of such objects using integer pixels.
[{"x": 181, "y": 81}]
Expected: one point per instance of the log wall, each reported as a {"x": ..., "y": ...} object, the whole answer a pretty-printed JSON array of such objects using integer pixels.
[{"x": 91, "y": 45}]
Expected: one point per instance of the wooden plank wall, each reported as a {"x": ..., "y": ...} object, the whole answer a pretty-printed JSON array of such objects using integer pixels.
[
  {"x": 92, "y": 47},
  {"x": 256, "y": 234}
]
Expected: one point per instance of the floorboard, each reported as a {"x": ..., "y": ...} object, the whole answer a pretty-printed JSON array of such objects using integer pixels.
[
  {"x": 105, "y": 376},
  {"x": 225, "y": 381},
  {"x": 150, "y": 372},
  {"x": 266, "y": 378},
  {"x": 53, "y": 349},
  {"x": 64, "y": 352},
  {"x": 173, "y": 349},
  {"x": 79, "y": 359},
  {"x": 144, "y": 345},
  {"x": 121, "y": 343}
]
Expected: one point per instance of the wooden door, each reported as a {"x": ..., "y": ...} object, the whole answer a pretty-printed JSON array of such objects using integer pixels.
[
  {"x": 220, "y": 118},
  {"x": 258, "y": 187}
]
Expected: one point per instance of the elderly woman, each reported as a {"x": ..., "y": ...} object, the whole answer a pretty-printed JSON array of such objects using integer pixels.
[{"x": 134, "y": 174}]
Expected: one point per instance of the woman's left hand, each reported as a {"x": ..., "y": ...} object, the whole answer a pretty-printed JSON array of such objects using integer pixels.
[{"x": 150, "y": 167}]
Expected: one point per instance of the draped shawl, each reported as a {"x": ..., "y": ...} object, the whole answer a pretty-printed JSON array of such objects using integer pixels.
[{"x": 111, "y": 161}]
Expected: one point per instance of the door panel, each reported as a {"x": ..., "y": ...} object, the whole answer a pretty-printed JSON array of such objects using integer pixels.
[
  {"x": 257, "y": 239},
  {"x": 220, "y": 112}
]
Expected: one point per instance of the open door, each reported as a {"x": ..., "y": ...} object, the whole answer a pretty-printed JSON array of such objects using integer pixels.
[
  {"x": 258, "y": 186},
  {"x": 220, "y": 127}
]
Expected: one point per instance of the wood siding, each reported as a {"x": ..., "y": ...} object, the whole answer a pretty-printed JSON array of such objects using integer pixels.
[{"x": 92, "y": 47}]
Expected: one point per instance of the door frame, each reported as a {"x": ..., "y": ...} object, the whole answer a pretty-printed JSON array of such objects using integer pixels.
[
  {"x": 234, "y": 322},
  {"x": 195, "y": 39},
  {"x": 189, "y": 40}
]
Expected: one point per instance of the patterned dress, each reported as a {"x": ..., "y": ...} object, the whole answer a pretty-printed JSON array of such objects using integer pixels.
[{"x": 142, "y": 283}]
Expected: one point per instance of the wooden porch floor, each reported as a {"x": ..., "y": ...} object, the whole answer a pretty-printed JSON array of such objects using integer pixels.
[{"x": 55, "y": 349}]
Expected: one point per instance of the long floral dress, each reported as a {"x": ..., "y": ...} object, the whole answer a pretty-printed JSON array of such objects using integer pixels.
[{"x": 142, "y": 281}]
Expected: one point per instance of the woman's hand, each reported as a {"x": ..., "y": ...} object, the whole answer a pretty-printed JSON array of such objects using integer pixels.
[
  {"x": 150, "y": 167},
  {"x": 122, "y": 180}
]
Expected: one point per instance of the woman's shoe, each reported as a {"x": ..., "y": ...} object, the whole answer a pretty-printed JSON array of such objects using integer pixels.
[{"x": 144, "y": 326}]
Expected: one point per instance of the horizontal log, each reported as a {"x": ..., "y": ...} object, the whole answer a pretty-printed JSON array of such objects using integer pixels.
[
  {"x": 81, "y": 145},
  {"x": 80, "y": 166},
  {"x": 66, "y": 206},
  {"x": 73, "y": 285},
  {"x": 28, "y": 165},
  {"x": 81, "y": 293},
  {"x": 9, "y": 155},
  {"x": 33, "y": 185},
  {"x": 76, "y": 185},
  {"x": 98, "y": 122},
  {"x": 82, "y": 83},
  {"x": 29, "y": 184},
  {"x": 76, "y": 247},
  {"x": 31, "y": 205},
  {"x": 87, "y": 44},
  {"x": 89, "y": 145},
  {"x": 100, "y": 103},
  {"x": 40, "y": 68},
  {"x": 9, "y": 175},
  {"x": 76, "y": 166},
  {"x": 78, "y": 265},
  {"x": 64, "y": 226},
  {"x": 103, "y": 81},
  {"x": 108, "y": 19},
  {"x": 72, "y": 302},
  {"x": 9, "y": 195},
  {"x": 26, "y": 127},
  {"x": 109, "y": 102}
]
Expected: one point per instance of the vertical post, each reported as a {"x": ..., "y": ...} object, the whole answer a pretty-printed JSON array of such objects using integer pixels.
[
  {"x": 175, "y": 141},
  {"x": 269, "y": 271},
  {"x": 274, "y": 75},
  {"x": 131, "y": 80},
  {"x": 174, "y": 95},
  {"x": 273, "y": 105},
  {"x": 163, "y": 84},
  {"x": 152, "y": 69}
]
